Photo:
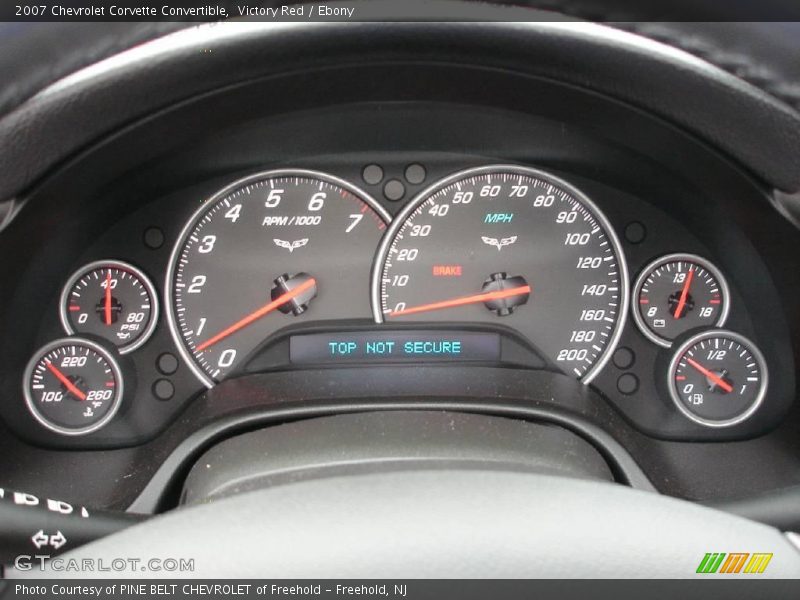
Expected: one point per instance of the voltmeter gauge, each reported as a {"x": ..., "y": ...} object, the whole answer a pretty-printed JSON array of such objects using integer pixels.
[
  {"x": 112, "y": 300},
  {"x": 718, "y": 378},
  {"x": 677, "y": 293},
  {"x": 73, "y": 386}
]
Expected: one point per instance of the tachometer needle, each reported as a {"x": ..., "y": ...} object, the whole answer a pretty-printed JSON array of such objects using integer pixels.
[
  {"x": 108, "y": 298},
  {"x": 254, "y": 316},
  {"x": 475, "y": 299},
  {"x": 718, "y": 381},
  {"x": 71, "y": 387},
  {"x": 684, "y": 294}
]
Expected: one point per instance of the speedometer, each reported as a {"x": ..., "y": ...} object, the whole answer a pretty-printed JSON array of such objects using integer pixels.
[
  {"x": 508, "y": 246},
  {"x": 268, "y": 251}
]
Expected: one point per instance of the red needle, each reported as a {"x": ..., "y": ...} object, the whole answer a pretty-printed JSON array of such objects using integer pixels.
[
  {"x": 267, "y": 308},
  {"x": 108, "y": 298},
  {"x": 69, "y": 385},
  {"x": 477, "y": 298},
  {"x": 711, "y": 375},
  {"x": 684, "y": 294}
]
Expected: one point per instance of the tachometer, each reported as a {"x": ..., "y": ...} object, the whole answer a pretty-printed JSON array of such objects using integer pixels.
[
  {"x": 264, "y": 252},
  {"x": 511, "y": 246}
]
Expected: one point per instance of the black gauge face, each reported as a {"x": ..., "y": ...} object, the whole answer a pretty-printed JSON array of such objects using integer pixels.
[
  {"x": 509, "y": 246},
  {"x": 112, "y": 300},
  {"x": 677, "y": 293},
  {"x": 269, "y": 251},
  {"x": 73, "y": 386},
  {"x": 718, "y": 378}
]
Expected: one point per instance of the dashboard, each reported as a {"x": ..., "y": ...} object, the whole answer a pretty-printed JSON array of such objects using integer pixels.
[
  {"x": 250, "y": 255},
  {"x": 501, "y": 266}
]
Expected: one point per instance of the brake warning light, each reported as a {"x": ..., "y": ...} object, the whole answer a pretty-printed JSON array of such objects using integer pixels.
[{"x": 447, "y": 270}]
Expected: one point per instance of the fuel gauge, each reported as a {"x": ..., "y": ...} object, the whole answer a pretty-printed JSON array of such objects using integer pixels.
[
  {"x": 677, "y": 293},
  {"x": 718, "y": 378}
]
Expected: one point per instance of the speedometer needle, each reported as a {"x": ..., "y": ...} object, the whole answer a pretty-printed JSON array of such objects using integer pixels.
[
  {"x": 71, "y": 387},
  {"x": 718, "y": 381},
  {"x": 475, "y": 299},
  {"x": 684, "y": 294},
  {"x": 264, "y": 310}
]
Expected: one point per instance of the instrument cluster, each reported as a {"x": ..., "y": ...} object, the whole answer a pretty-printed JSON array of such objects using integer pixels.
[{"x": 494, "y": 265}]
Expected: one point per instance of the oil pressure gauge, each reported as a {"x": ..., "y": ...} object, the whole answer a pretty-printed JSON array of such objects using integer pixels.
[
  {"x": 677, "y": 293},
  {"x": 717, "y": 378},
  {"x": 73, "y": 386},
  {"x": 112, "y": 300}
]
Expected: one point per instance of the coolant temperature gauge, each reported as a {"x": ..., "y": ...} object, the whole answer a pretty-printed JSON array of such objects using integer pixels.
[
  {"x": 677, "y": 293},
  {"x": 73, "y": 386},
  {"x": 718, "y": 378},
  {"x": 112, "y": 300}
]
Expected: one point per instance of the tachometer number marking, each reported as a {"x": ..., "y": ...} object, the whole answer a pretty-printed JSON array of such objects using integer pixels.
[{"x": 279, "y": 239}]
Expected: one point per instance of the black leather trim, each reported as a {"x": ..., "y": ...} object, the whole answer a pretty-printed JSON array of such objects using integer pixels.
[
  {"x": 34, "y": 55},
  {"x": 759, "y": 131},
  {"x": 763, "y": 54}
]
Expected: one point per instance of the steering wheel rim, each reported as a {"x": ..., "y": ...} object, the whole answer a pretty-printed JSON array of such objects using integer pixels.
[{"x": 439, "y": 523}]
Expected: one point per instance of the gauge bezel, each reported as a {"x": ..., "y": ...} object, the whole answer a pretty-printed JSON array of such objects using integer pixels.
[
  {"x": 721, "y": 333},
  {"x": 114, "y": 264},
  {"x": 70, "y": 341},
  {"x": 186, "y": 230},
  {"x": 677, "y": 257},
  {"x": 425, "y": 194}
]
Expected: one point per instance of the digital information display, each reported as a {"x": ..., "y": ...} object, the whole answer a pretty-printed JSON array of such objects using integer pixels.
[{"x": 394, "y": 346}]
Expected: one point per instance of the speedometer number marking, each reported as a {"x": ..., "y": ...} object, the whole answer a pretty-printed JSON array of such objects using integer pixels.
[{"x": 530, "y": 252}]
